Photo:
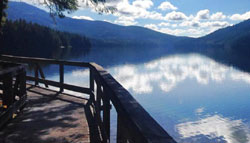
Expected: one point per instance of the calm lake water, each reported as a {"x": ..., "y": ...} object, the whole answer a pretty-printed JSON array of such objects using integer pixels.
[{"x": 193, "y": 97}]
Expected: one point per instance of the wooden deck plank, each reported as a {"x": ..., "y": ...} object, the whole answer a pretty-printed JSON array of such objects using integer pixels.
[{"x": 51, "y": 117}]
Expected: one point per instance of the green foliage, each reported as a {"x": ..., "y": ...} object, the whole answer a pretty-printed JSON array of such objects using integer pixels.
[
  {"x": 58, "y": 7},
  {"x": 27, "y": 39},
  {"x": 3, "y": 6}
]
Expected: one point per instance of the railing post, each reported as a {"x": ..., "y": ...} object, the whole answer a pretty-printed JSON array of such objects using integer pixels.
[
  {"x": 98, "y": 98},
  {"x": 61, "y": 69},
  {"x": 8, "y": 94},
  {"x": 91, "y": 84},
  {"x": 36, "y": 74},
  {"x": 16, "y": 85},
  {"x": 120, "y": 135},
  {"x": 98, "y": 111},
  {"x": 42, "y": 74},
  {"x": 106, "y": 112},
  {"x": 23, "y": 82}
]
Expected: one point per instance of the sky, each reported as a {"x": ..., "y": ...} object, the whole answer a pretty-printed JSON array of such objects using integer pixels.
[{"x": 193, "y": 18}]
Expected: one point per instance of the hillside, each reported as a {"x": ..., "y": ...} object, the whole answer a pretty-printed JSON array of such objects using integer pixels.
[
  {"x": 230, "y": 44},
  {"x": 27, "y": 39},
  {"x": 228, "y": 34},
  {"x": 98, "y": 30},
  {"x": 231, "y": 40}
]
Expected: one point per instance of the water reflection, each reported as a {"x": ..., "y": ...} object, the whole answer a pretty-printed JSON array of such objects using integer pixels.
[
  {"x": 168, "y": 72},
  {"x": 201, "y": 100},
  {"x": 216, "y": 128},
  {"x": 194, "y": 98},
  {"x": 241, "y": 76}
]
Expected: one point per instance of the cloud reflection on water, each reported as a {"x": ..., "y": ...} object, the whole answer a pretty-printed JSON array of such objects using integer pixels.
[
  {"x": 241, "y": 76},
  {"x": 215, "y": 128},
  {"x": 167, "y": 72}
]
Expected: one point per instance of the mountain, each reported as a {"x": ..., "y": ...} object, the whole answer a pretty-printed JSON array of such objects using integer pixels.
[
  {"x": 103, "y": 32},
  {"x": 230, "y": 45},
  {"x": 228, "y": 34},
  {"x": 231, "y": 40}
]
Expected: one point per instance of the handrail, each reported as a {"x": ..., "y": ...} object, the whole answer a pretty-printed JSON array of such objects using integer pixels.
[
  {"x": 37, "y": 61},
  {"x": 133, "y": 120},
  {"x": 134, "y": 123},
  {"x": 13, "y": 86},
  {"x": 31, "y": 60}
]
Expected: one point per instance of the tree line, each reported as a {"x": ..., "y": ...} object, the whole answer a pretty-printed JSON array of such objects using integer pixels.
[{"x": 29, "y": 39}]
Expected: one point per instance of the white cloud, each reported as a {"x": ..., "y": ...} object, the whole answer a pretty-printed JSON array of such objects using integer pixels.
[
  {"x": 219, "y": 24},
  {"x": 138, "y": 9},
  {"x": 167, "y": 6},
  {"x": 164, "y": 24},
  {"x": 164, "y": 28},
  {"x": 203, "y": 14},
  {"x": 218, "y": 16},
  {"x": 151, "y": 26},
  {"x": 174, "y": 25},
  {"x": 175, "y": 16},
  {"x": 154, "y": 15},
  {"x": 193, "y": 23},
  {"x": 244, "y": 16},
  {"x": 215, "y": 24},
  {"x": 83, "y": 17},
  {"x": 123, "y": 20},
  {"x": 172, "y": 31},
  {"x": 182, "y": 25},
  {"x": 196, "y": 23},
  {"x": 177, "y": 23},
  {"x": 143, "y": 3}
]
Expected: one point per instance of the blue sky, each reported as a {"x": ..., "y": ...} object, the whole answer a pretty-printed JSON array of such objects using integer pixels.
[{"x": 192, "y": 18}]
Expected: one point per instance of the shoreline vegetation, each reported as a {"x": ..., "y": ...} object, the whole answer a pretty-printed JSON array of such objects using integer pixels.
[{"x": 23, "y": 38}]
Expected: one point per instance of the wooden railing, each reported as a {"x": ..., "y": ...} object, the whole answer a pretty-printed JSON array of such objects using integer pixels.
[
  {"x": 134, "y": 124},
  {"x": 13, "y": 90}
]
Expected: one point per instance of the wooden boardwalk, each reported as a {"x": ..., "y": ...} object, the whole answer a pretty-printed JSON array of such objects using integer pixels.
[
  {"x": 51, "y": 117},
  {"x": 55, "y": 117}
]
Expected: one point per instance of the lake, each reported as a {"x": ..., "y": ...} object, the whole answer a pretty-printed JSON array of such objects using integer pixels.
[{"x": 193, "y": 97}]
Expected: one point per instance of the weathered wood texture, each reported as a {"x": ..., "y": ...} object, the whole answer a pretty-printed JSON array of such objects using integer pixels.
[
  {"x": 13, "y": 89},
  {"x": 50, "y": 117},
  {"x": 134, "y": 123},
  {"x": 31, "y": 60}
]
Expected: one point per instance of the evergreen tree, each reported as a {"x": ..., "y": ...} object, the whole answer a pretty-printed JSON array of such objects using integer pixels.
[{"x": 27, "y": 39}]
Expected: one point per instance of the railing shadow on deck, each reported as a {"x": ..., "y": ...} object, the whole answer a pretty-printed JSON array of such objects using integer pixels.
[
  {"x": 40, "y": 119},
  {"x": 134, "y": 124}
]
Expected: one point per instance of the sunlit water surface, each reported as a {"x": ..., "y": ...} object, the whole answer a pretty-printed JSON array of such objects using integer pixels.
[{"x": 194, "y": 98}]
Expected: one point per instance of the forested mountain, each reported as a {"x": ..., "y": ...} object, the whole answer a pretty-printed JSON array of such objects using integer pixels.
[
  {"x": 228, "y": 34},
  {"x": 228, "y": 43},
  {"x": 233, "y": 40},
  {"x": 28, "y": 39},
  {"x": 102, "y": 33}
]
